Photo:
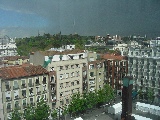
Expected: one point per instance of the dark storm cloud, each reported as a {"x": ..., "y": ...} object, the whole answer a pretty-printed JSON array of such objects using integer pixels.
[{"x": 93, "y": 17}]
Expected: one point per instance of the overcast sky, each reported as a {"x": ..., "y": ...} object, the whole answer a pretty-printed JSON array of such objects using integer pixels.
[{"x": 23, "y": 18}]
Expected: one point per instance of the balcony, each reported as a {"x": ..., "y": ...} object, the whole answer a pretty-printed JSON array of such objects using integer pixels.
[
  {"x": 8, "y": 99},
  {"x": 23, "y": 86},
  {"x": 39, "y": 92},
  {"x": 9, "y": 110},
  {"x": 16, "y": 97},
  {"x": 8, "y": 88},
  {"x": 37, "y": 84},
  {"x": 16, "y": 88}
]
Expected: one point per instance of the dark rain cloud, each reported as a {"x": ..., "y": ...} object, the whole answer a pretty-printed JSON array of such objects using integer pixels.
[{"x": 92, "y": 17}]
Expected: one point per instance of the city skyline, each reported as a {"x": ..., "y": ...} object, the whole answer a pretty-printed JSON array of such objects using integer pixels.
[{"x": 25, "y": 19}]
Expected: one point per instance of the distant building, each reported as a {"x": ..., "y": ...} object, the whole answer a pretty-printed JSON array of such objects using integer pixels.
[
  {"x": 14, "y": 60},
  {"x": 123, "y": 48},
  {"x": 21, "y": 86},
  {"x": 8, "y": 48},
  {"x": 155, "y": 43}
]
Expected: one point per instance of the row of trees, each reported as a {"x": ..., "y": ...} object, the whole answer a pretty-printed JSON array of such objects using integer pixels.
[
  {"x": 87, "y": 101},
  {"x": 79, "y": 104}
]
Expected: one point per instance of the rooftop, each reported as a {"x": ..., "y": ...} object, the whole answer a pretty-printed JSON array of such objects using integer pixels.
[
  {"x": 12, "y": 58},
  {"x": 114, "y": 57},
  {"x": 12, "y": 72}
]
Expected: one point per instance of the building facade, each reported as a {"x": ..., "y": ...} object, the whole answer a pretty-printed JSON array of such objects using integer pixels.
[
  {"x": 144, "y": 66},
  {"x": 95, "y": 72},
  {"x": 21, "y": 86},
  {"x": 116, "y": 67},
  {"x": 69, "y": 69}
]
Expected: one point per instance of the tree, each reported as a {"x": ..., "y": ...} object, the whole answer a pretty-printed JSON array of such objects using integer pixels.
[
  {"x": 42, "y": 110},
  {"x": 150, "y": 95},
  {"x": 54, "y": 114},
  {"x": 16, "y": 115}
]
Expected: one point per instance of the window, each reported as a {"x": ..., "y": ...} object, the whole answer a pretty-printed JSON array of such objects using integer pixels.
[
  {"x": 8, "y": 106},
  {"x": 31, "y": 91},
  {"x": 7, "y": 85},
  {"x": 24, "y": 93},
  {"x": 91, "y": 66},
  {"x": 77, "y": 65},
  {"x": 99, "y": 73},
  {"x": 77, "y": 82},
  {"x": 38, "y": 98},
  {"x": 72, "y": 74},
  {"x": 15, "y": 85},
  {"x": 92, "y": 74},
  {"x": 61, "y": 67},
  {"x": 67, "y": 84},
  {"x": 67, "y": 75},
  {"x": 61, "y": 76},
  {"x": 61, "y": 85},
  {"x": 67, "y": 66},
  {"x": 72, "y": 66},
  {"x": 16, "y": 104},
  {"x": 44, "y": 80},
  {"x": 52, "y": 79},
  {"x": 61, "y": 94},
  {"x": 72, "y": 83},
  {"x": 24, "y": 103},
  {"x": 23, "y": 84},
  {"x": 31, "y": 101},
  {"x": 30, "y": 83},
  {"x": 37, "y": 81}
]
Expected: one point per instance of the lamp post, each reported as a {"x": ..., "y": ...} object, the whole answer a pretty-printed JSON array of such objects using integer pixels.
[{"x": 127, "y": 98}]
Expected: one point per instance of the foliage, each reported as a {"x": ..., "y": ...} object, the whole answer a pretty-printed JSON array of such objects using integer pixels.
[
  {"x": 39, "y": 112},
  {"x": 80, "y": 103},
  {"x": 16, "y": 115},
  {"x": 54, "y": 114},
  {"x": 150, "y": 95},
  {"x": 47, "y": 41}
]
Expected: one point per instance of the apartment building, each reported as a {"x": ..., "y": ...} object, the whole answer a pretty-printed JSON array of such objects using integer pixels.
[
  {"x": 116, "y": 67},
  {"x": 69, "y": 76},
  {"x": 144, "y": 66},
  {"x": 95, "y": 72},
  {"x": 8, "y": 47},
  {"x": 21, "y": 86},
  {"x": 15, "y": 60}
]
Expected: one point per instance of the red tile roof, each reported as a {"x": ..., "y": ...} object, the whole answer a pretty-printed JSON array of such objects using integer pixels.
[
  {"x": 113, "y": 57},
  {"x": 21, "y": 71}
]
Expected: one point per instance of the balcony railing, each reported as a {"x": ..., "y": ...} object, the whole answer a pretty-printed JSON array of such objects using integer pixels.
[
  {"x": 15, "y": 88},
  {"x": 23, "y": 86},
  {"x": 9, "y": 110},
  {"x": 8, "y": 99},
  {"x": 39, "y": 92}
]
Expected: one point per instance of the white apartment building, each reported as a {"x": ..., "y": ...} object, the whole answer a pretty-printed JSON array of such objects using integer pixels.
[
  {"x": 69, "y": 69},
  {"x": 123, "y": 48},
  {"x": 144, "y": 66},
  {"x": 155, "y": 42},
  {"x": 8, "y": 48}
]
